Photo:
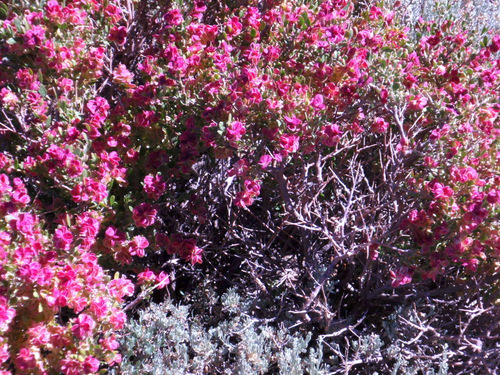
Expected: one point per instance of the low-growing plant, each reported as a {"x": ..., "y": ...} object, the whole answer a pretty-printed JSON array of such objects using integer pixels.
[
  {"x": 413, "y": 337},
  {"x": 169, "y": 339}
]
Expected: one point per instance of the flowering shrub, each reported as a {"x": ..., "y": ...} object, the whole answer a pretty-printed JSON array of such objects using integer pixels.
[{"x": 136, "y": 135}]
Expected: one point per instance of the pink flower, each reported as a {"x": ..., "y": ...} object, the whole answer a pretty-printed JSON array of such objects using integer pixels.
[
  {"x": 233, "y": 27},
  {"x": 144, "y": 215},
  {"x": 83, "y": 326},
  {"x": 39, "y": 334},
  {"x": 154, "y": 186},
  {"x": 271, "y": 53},
  {"x": 146, "y": 118},
  {"x": 163, "y": 279},
  {"x": 317, "y": 102},
  {"x": 240, "y": 168},
  {"x": 330, "y": 135},
  {"x": 113, "y": 236},
  {"x": 464, "y": 174},
  {"x": 493, "y": 197},
  {"x": 162, "y": 240},
  {"x": 63, "y": 238},
  {"x": 289, "y": 143},
  {"x": 8, "y": 98},
  {"x": 54, "y": 11},
  {"x": 113, "y": 12},
  {"x": 401, "y": 277},
  {"x": 34, "y": 37},
  {"x": 253, "y": 187},
  {"x": 243, "y": 199},
  {"x": 109, "y": 343},
  {"x": 90, "y": 365},
  {"x": 25, "y": 223},
  {"x": 265, "y": 160},
  {"x": 118, "y": 319},
  {"x": 138, "y": 245},
  {"x": 98, "y": 109},
  {"x": 441, "y": 191},
  {"x": 27, "y": 80},
  {"x": 384, "y": 95},
  {"x": 6, "y": 314},
  {"x": 118, "y": 34},
  {"x": 253, "y": 53},
  {"x": 25, "y": 360},
  {"x": 65, "y": 84},
  {"x": 70, "y": 366},
  {"x": 190, "y": 252},
  {"x": 293, "y": 123},
  {"x": 30, "y": 272},
  {"x": 4, "y": 353},
  {"x": 122, "y": 75},
  {"x": 416, "y": 102},
  {"x": 173, "y": 17},
  {"x": 121, "y": 287},
  {"x": 495, "y": 44},
  {"x": 235, "y": 131},
  {"x": 146, "y": 277},
  {"x": 379, "y": 125},
  {"x": 99, "y": 307}
]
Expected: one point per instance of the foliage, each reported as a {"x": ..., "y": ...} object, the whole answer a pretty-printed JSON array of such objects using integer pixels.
[
  {"x": 166, "y": 339},
  {"x": 411, "y": 338},
  {"x": 313, "y": 153}
]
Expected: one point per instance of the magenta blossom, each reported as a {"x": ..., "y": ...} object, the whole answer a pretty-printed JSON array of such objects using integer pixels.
[{"x": 144, "y": 215}]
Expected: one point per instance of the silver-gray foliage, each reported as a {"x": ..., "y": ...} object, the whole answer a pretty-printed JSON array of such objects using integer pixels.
[{"x": 168, "y": 339}]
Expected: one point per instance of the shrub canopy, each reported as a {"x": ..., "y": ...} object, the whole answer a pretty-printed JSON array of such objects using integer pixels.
[{"x": 283, "y": 146}]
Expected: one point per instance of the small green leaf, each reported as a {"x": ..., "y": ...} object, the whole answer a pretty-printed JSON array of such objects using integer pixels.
[
  {"x": 43, "y": 91},
  {"x": 485, "y": 41},
  {"x": 305, "y": 22},
  {"x": 62, "y": 105},
  {"x": 4, "y": 11},
  {"x": 18, "y": 24}
]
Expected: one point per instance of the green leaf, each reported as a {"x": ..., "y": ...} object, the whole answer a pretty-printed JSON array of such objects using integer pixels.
[
  {"x": 4, "y": 11},
  {"x": 304, "y": 21},
  {"x": 17, "y": 23},
  {"x": 43, "y": 91},
  {"x": 11, "y": 41},
  {"x": 62, "y": 105},
  {"x": 485, "y": 41}
]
